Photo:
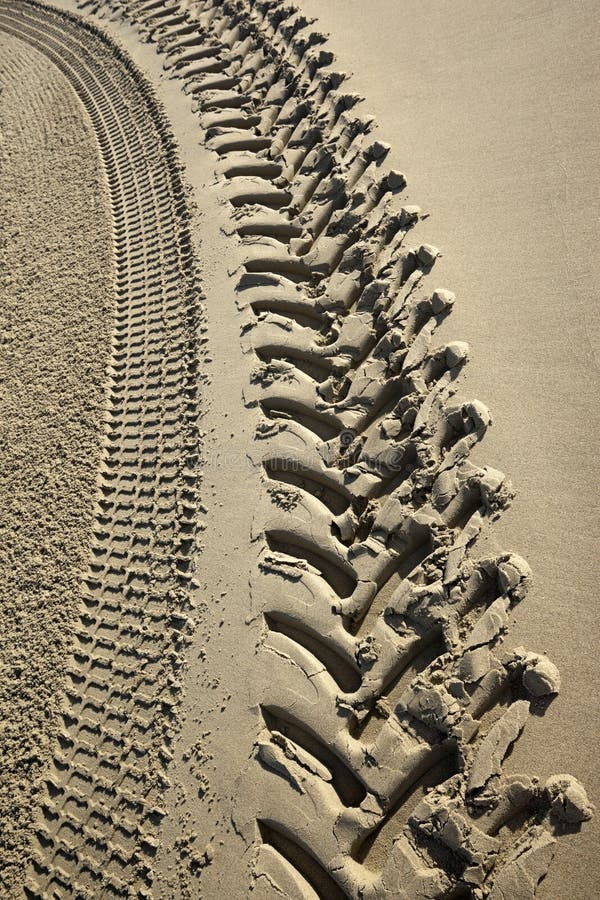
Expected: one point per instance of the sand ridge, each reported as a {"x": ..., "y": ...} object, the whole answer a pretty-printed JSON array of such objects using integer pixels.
[{"x": 340, "y": 318}]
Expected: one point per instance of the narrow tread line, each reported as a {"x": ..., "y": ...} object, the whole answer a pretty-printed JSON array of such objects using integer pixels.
[{"x": 97, "y": 828}]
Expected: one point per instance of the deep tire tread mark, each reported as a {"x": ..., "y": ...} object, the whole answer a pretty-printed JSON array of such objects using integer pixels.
[{"x": 341, "y": 319}]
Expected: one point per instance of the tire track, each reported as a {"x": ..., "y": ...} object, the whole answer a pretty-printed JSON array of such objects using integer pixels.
[
  {"x": 383, "y": 626},
  {"x": 56, "y": 329},
  {"x": 97, "y": 829}
]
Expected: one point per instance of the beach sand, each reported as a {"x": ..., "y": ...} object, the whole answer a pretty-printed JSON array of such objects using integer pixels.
[
  {"x": 298, "y": 670},
  {"x": 56, "y": 309}
]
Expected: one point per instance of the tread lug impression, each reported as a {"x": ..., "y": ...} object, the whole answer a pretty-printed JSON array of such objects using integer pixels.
[{"x": 388, "y": 705}]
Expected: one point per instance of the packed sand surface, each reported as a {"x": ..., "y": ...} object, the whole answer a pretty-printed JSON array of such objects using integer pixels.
[
  {"x": 320, "y": 644},
  {"x": 56, "y": 317}
]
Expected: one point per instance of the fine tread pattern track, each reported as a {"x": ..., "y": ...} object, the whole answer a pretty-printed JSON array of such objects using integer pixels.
[
  {"x": 97, "y": 827},
  {"x": 380, "y": 621}
]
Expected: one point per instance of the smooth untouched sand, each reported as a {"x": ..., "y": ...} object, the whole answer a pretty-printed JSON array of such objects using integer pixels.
[{"x": 56, "y": 317}]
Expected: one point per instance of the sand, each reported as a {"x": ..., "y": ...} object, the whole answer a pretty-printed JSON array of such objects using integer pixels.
[
  {"x": 311, "y": 657},
  {"x": 502, "y": 148},
  {"x": 56, "y": 308}
]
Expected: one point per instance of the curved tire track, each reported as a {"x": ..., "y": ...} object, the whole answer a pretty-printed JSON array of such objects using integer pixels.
[
  {"x": 382, "y": 627},
  {"x": 97, "y": 828}
]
